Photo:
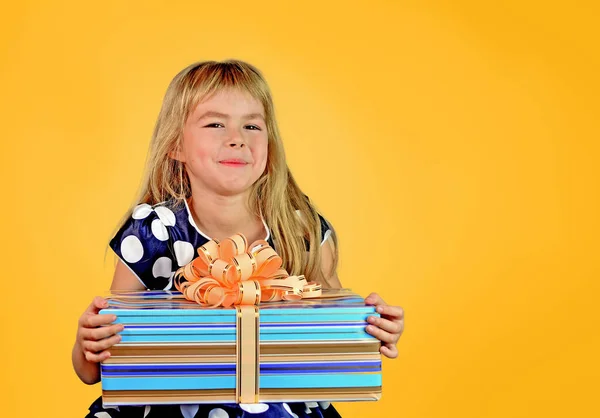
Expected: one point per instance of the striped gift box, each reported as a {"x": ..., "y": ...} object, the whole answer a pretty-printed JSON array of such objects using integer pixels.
[{"x": 174, "y": 351}]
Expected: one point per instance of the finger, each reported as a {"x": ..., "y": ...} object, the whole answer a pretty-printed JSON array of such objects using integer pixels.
[
  {"x": 96, "y": 358},
  {"x": 393, "y": 312},
  {"x": 97, "y": 304},
  {"x": 98, "y": 346},
  {"x": 374, "y": 299},
  {"x": 389, "y": 350},
  {"x": 382, "y": 335},
  {"x": 393, "y": 327},
  {"x": 96, "y": 320},
  {"x": 98, "y": 334}
]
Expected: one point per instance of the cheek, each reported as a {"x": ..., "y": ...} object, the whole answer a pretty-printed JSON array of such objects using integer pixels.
[
  {"x": 260, "y": 152},
  {"x": 197, "y": 149}
]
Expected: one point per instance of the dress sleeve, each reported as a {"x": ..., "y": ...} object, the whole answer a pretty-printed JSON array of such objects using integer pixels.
[
  {"x": 326, "y": 229},
  {"x": 142, "y": 244}
]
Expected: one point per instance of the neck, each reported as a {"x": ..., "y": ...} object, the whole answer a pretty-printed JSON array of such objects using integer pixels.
[{"x": 220, "y": 217}]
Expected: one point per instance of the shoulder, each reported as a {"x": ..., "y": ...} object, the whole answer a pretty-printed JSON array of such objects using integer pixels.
[
  {"x": 149, "y": 223},
  {"x": 154, "y": 241}
]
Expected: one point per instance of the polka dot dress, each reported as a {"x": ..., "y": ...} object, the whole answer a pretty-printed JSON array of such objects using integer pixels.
[
  {"x": 154, "y": 242},
  {"x": 272, "y": 410}
]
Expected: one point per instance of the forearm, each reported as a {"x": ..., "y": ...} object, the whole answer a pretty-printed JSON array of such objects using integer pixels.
[{"x": 88, "y": 372}]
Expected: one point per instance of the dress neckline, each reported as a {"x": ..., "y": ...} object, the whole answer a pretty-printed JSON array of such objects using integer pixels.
[{"x": 191, "y": 220}]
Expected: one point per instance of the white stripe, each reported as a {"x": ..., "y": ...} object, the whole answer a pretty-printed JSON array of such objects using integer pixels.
[{"x": 327, "y": 235}]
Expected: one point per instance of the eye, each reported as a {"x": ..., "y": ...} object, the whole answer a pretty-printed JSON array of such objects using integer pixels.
[
  {"x": 214, "y": 125},
  {"x": 253, "y": 128}
]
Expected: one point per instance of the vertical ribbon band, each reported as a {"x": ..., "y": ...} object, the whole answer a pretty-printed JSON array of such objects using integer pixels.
[
  {"x": 231, "y": 272},
  {"x": 247, "y": 354}
]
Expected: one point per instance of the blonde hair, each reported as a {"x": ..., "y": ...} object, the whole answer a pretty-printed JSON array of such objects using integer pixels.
[{"x": 275, "y": 195}]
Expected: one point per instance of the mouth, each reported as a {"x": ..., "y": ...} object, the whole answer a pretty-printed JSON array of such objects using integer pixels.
[{"x": 234, "y": 162}]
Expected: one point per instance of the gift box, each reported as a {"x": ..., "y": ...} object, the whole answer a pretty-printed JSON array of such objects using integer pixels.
[{"x": 175, "y": 351}]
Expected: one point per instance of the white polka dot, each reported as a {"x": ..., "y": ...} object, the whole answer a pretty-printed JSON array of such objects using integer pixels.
[
  {"x": 254, "y": 408},
  {"x": 309, "y": 405},
  {"x": 131, "y": 249},
  {"x": 218, "y": 413},
  {"x": 146, "y": 411},
  {"x": 165, "y": 215},
  {"x": 324, "y": 405},
  {"x": 188, "y": 411},
  {"x": 289, "y": 410},
  {"x": 184, "y": 251},
  {"x": 162, "y": 267},
  {"x": 102, "y": 415},
  {"x": 159, "y": 230},
  {"x": 168, "y": 286},
  {"x": 141, "y": 211}
]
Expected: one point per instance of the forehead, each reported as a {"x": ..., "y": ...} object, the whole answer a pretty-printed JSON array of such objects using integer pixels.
[{"x": 234, "y": 102}]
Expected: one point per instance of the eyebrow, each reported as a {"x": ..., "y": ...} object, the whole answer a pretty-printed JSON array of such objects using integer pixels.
[{"x": 213, "y": 114}]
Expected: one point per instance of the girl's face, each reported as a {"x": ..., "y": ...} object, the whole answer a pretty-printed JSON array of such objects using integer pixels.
[{"x": 225, "y": 143}]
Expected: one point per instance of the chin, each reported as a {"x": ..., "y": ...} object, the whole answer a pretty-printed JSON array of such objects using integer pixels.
[{"x": 235, "y": 188}]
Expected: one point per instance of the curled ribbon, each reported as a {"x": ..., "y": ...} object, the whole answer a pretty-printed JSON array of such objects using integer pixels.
[{"x": 230, "y": 273}]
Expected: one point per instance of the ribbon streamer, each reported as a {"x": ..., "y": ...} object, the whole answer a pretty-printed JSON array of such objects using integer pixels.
[{"x": 230, "y": 273}]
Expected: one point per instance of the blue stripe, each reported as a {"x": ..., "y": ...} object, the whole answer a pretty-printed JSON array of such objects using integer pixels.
[
  {"x": 217, "y": 368},
  {"x": 195, "y": 326},
  {"x": 320, "y": 371},
  {"x": 167, "y": 369},
  {"x": 177, "y": 374},
  {"x": 168, "y": 366},
  {"x": 228, "y": 382},
  {"x": 232, "y": 373},
  {"x": 319, "y": 365},
  {"x": 327, "y": 381}
]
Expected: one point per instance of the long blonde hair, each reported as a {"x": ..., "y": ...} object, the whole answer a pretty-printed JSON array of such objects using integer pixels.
[{"x": 275, "y": 195}]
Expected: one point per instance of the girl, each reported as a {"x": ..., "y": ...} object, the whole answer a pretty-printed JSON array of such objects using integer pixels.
[{"x": 216, "y": 167}]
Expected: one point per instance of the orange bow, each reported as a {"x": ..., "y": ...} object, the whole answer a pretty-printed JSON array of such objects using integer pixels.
[{"x": 231, "y": 273}]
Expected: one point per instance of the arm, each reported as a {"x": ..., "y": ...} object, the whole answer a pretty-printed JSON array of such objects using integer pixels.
[{"x": 93, "y": 340}]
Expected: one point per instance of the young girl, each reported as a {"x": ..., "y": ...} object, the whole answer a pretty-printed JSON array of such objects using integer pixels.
[{"x": 216, "y": 167}]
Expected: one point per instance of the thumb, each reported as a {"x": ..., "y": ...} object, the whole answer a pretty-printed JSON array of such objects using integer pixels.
[
  {"x": 97, "y": 304},
  {"x": 374, "y": 299}
]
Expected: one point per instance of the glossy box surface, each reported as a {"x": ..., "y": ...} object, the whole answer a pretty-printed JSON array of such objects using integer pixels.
[{"x": 175, "y": 351}]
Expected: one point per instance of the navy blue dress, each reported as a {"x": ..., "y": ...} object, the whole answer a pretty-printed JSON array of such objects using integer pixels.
[{"x": 154, "y": 242}]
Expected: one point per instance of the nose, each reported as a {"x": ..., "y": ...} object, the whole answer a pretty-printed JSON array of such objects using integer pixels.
[{"x": 236, "y": 139}]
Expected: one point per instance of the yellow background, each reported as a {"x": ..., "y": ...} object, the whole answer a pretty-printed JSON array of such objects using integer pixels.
[{"x": 457, "y": 140}]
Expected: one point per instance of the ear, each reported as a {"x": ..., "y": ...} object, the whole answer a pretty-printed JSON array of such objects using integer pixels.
[{"x": 177, "y": 154}]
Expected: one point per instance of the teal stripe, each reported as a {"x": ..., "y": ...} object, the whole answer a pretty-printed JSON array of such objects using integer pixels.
[
  {"x": 168, "y": 383},
  {"x": 329, "y": 336}
]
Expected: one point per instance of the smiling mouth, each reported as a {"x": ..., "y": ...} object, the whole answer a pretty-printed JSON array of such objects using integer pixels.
[{"x": 234, "y": 163}]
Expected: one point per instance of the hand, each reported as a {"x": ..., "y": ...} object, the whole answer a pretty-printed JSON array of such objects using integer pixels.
[
  {"x": 93, "y": 338},
  {"x": 388, "y": 328}
]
